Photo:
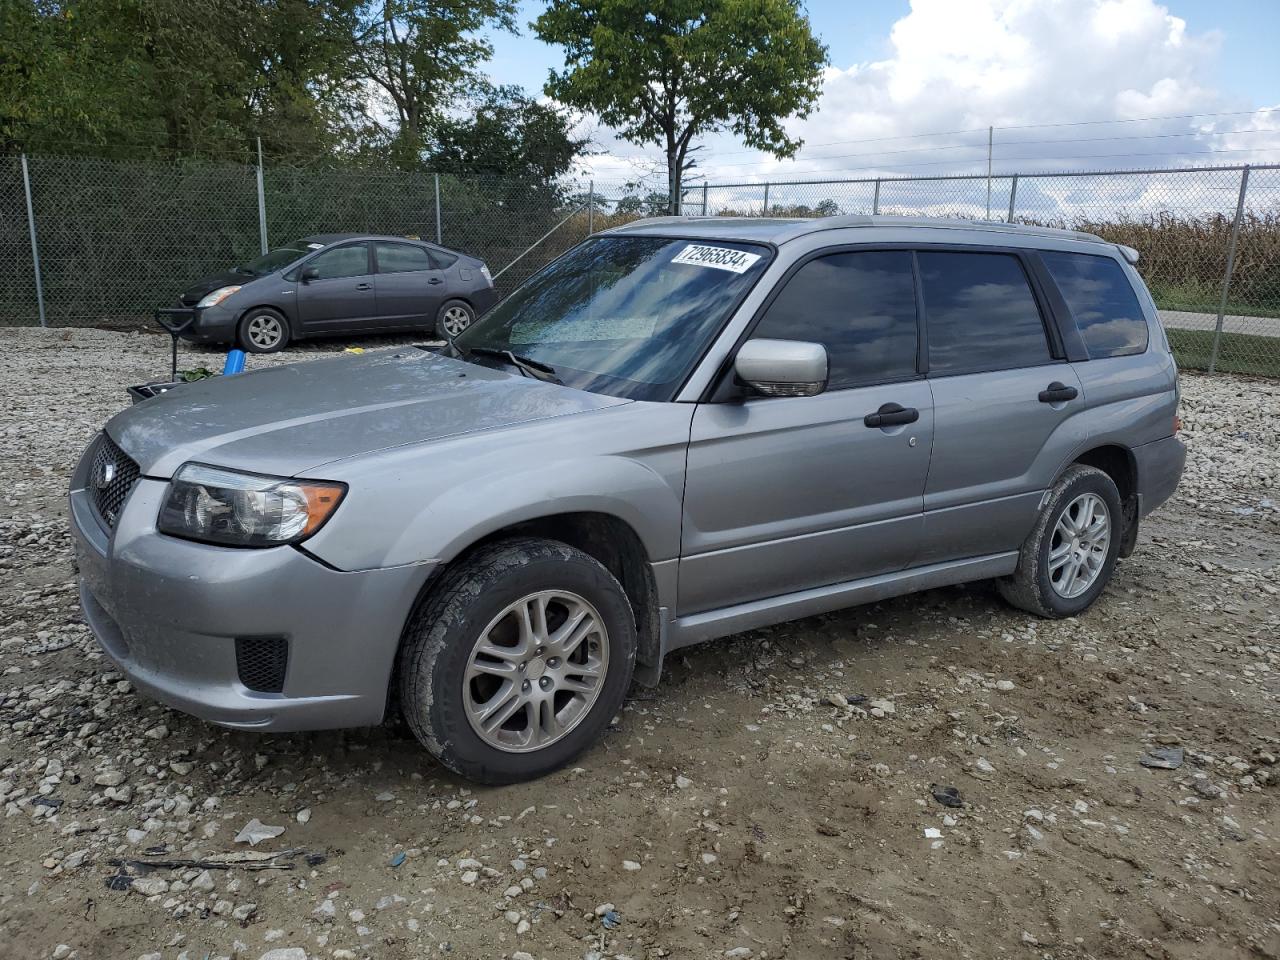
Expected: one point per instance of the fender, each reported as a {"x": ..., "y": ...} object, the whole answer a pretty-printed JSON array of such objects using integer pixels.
[{"x": 426, "y": 503}]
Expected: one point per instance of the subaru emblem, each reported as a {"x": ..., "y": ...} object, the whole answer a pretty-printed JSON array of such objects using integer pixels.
[{"x": 105, "y": 474}]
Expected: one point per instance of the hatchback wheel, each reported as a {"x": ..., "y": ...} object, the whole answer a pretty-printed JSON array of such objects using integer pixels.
[
  {"x": 517, "y": 661},
  {"x": 263, "y": 331},
  {"x": 454, "y": 317},
  {"x": 1069, "y": 557}
]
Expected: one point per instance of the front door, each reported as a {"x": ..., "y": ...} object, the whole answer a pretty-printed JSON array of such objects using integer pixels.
[
  {"x": 788, "y": 493},
  {"x": 409, "y": 288},
  {"x": 341, "y": 296}
]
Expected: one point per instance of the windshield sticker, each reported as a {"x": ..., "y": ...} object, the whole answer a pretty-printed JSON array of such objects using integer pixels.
[{"x": 721, "y": 258}]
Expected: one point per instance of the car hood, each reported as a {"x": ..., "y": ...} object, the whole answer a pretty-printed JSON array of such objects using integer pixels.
[
  {"x": 206, "y": 285},
  {"x": 289, "y": 420}
]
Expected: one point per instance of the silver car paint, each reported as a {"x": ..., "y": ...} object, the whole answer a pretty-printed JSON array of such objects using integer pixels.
[{"x": 750, "y": 512}]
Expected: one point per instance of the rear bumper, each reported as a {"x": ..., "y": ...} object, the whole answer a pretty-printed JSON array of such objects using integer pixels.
[
  {"x": 168, "y": 613},
  {"x": 1159, "y": 466}
]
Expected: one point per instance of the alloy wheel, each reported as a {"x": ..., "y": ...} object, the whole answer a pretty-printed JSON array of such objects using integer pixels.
[
  {"x": 456, "y": 319},
  {"x": 536, "y": 671},
  {"x": 1078, "y": 549},
  {"x": 265, "y": 331}
]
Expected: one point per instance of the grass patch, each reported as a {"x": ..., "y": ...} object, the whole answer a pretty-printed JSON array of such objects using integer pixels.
[
  {"x": 1238, "y": 352},
  {"x": 1203, "y": 298}
]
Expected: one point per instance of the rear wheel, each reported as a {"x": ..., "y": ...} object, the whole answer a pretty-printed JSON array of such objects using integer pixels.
[
  {"x": 453, "y": 317},
  {"x": 262, "y": 330},
  {"x": 517, "y": 661},
  {"x": 1071, "y": 553}
]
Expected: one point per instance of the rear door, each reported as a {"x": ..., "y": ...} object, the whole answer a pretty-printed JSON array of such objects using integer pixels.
[
  {"x": 409, "y": 286},
  {"x": 1003, "y": 397},
  {"x": 788, "y": 493},
  {"x": 341, "y": 297}
]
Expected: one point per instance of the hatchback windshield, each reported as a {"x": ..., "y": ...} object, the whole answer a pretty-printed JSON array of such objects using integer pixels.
[
  {"x": 275, "y": 259},
  {"x": 624, "y": 316}
]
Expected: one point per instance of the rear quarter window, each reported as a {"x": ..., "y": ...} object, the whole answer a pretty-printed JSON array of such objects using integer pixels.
[{"x": 1102, "y": 302}]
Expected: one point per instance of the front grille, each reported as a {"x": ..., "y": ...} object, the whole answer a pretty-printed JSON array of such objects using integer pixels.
[
  {"x": 111, "y": 479},
  {"x": 261, "y": 662}
]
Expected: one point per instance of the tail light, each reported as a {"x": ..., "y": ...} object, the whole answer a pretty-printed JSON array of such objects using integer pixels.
[
  {"x": 1177, "y": 424},
  {"x": 484, "y": 272}
]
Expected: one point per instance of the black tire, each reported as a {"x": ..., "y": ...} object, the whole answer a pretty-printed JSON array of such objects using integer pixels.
[
  {"x": 442, "y": 633},
  {"x": 1030, "y": 587},
  {"x": 248, "y": 337},
  {"x": 444, "y": 313}
]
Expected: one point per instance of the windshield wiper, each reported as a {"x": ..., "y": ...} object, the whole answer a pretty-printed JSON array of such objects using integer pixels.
[{"x": 526, "y": 365}]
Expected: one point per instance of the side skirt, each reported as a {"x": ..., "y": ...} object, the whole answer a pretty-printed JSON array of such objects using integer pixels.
[{"x": 712, "y": 624}]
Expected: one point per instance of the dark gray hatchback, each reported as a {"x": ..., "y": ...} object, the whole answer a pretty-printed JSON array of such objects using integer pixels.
[{"x": 336, "y": 284}]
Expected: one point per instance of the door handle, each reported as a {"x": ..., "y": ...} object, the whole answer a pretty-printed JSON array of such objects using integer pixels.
[
  {"x": 1058, "y": 393},
  {"x": 435, "y": 280},
  {"x": 891, "y": 415},
  {"x": 363, "y": 286}
]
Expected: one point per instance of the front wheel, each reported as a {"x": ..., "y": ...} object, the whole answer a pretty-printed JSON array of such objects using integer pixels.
[
  {"x": 1071, "y": 553},
  {"x": 263, "y": 330},
  {"x": 517, "y": 661}
]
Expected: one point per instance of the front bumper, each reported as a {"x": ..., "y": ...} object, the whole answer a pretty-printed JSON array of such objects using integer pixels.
[
  {"x": 168, "y": 612},
  {"x": 1159, "y": 466},
  {"x": 215, "y": 324}
]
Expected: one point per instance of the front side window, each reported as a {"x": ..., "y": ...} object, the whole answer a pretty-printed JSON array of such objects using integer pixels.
[
  {"x": 861, "y": 306},
  {"x": 980, "y": 313},
  {"x": 351, "y": 260},
  {"x": 625, "y": 316},
  {"x": 401, "y": 258},
  {"x": 1102, "y": 301}
]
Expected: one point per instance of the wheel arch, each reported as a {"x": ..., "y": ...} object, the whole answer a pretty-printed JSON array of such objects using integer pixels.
[
  {"x": 1119, "y": 463},
  {"x": 607, "y": 538}
]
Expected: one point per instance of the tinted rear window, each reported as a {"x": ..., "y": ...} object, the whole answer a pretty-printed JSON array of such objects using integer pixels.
[
  {"x": 981, "y": 313},
  {"x": 860, "y": 306},
  {"x": 1102, "y": 301},
  {"x": 401, "y": 258}
]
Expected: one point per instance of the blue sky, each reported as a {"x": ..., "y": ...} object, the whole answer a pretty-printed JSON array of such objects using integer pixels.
[{"x": 908, "y": 69}]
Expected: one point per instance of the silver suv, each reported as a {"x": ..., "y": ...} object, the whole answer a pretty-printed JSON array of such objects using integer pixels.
[{"x": 679, "y": 430}]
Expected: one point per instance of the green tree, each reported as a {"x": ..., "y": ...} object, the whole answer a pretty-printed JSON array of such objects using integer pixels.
[
  {"x": 667, "y": 71},
  {"x": 424, "y": 54},
  {"x": 508, "y": 134}
]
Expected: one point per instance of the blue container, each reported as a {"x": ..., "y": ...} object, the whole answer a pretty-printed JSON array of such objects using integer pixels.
[{"x": 235, "y": 362}]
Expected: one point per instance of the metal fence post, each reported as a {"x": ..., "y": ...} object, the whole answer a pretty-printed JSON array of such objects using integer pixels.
[
  {"x": 591, "y": 208},
  {"x": 704, "y": 198},
  {"x": 765, "y": 212},
  {"x": 35, "y": 247},
  {"x": 1231, "y": 264},
  {"x": 262, "y": 203},
  {"x": 875, "y": 199},
  {"x": 439, "y": 234},
  {"x": 1013, "y": 196}
]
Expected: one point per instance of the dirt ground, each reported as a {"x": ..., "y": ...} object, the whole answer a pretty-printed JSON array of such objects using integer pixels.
[{"x": 755, "y": 805}]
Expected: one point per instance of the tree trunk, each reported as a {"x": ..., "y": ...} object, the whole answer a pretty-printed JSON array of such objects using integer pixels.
[{"x": 673, "y": 181}]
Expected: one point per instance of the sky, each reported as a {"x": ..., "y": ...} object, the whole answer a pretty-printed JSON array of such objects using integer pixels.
[{"x": 1068, "y": 84}]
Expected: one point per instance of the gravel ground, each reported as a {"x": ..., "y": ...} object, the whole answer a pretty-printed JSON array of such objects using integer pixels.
[{"x": 777, "y": 796}]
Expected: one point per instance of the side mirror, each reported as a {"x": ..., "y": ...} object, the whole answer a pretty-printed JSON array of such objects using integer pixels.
[
  {"x": 309, "y": 273},
  {"x": 782, "y": 368}
]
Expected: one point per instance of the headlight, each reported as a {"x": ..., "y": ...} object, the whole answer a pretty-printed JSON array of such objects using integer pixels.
[
  {"x": 215, "y": 298},
  {"x": 245, "y": 509}
]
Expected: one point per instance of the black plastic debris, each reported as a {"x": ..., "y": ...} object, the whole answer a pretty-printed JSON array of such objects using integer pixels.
[
  {"x": 52, "y": 803},
  {"x": 119, "y": 881},
  {"x": 1163, "y": 758},
  {"x": 947, "y": 796}
]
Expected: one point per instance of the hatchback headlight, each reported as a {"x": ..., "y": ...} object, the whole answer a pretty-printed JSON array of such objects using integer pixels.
[
  {"x": 217, "y": 296},
  {"x": 245, "y": 509}
]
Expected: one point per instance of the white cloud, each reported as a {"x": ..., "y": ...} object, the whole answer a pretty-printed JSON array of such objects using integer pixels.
[{"x": 962, "y": 65}]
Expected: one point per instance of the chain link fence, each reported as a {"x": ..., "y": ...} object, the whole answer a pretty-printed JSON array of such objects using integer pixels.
[
  {"x": 1209, "y": 237},
  {"x": 114, "y": 239}
]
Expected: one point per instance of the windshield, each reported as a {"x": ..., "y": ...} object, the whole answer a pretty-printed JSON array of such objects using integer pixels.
[
  {"x": 277, "y": 259},
  {"x": 624, "y": 316}
]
